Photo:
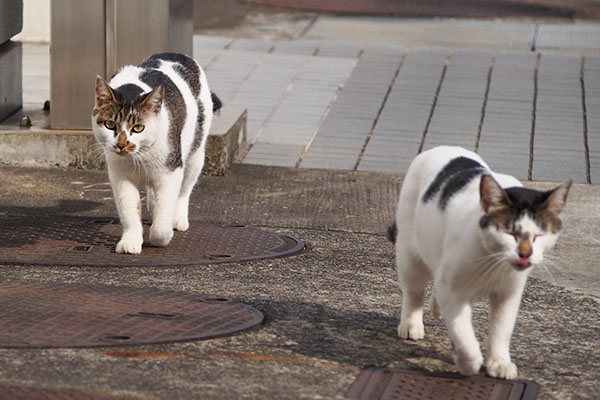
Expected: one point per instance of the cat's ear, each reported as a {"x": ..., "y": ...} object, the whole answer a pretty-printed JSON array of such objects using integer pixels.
[
  {"x": 153, "y": 101},
  {"x": 104, "y": 93},
  {"x": 491, "y": 193},
  {"x": 558, "y": 198}
]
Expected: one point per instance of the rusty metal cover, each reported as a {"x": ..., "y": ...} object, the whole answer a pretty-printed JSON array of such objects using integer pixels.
[
  {"x": 8, "y": 392},
  {"x": 383, "y": 383},
  {"x": 51, "y": 315},
  {"x": 65, "y": 240}
]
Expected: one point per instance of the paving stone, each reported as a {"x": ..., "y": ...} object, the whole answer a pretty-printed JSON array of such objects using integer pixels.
[
  {"x": 340, "y": 49},
  {"x": 581, "y": 36},
  {"x": 328, "y": 162},
  {"x": 393, "y": 167},
  {"x": 507, "y": 162},
  {"x": 251, "y": 44},
  {"x": 558, "y": 169},
  {"x": 298, "y": 46},
  {"x": 289, "y": 162}
]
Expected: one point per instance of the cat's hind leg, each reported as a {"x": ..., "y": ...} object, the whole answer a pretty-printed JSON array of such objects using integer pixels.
[
  {"x": 413, "y": 276},
  {"x": 150, "y": 199}
]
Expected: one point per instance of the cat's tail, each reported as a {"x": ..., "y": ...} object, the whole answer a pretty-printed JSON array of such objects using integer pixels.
[
  {"x": 392, "y": 232},
  {"x": 217, "y": 104}
]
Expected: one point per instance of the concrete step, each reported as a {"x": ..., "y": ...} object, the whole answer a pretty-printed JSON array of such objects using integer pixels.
[{"x": 38, "y": 145}]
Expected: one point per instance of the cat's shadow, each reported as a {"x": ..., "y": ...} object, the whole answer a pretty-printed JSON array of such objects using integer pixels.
[
  {"x": 25, "y": 219},
  {"x": 362, "y": 338},
  {"x": 65, "y": 206}
]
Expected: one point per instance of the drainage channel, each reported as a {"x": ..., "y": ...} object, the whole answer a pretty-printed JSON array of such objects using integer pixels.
[
  {"x": 70, "y": 315},
  {"x": 85, "y": 241}
]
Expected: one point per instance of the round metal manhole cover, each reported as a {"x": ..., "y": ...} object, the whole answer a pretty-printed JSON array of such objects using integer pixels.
[
  {"x": 8, "y": 392},
  {"x": 27, "y": 240},
  {"x": 49, "y": 315}
]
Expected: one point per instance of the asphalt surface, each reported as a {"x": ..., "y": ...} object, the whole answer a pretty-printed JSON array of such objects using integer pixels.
[{"x": 331, "y": 310}]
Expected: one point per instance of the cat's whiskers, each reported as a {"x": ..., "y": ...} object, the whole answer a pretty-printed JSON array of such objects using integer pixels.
[
  {"x": 97, "y": 153},
  {"x": 489, "y": 270},
  {"x": 546, "y": 269}
]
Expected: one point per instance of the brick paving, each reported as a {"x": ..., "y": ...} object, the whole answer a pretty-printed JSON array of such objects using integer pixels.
[{"x": 350, "y": 106}]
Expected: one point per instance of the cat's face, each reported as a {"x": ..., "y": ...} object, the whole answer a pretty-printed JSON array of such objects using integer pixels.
[
  {"x": 126, "y": 121},
  {"x": 520, "y": 224}
]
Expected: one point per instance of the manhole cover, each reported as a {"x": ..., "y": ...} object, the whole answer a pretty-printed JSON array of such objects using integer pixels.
[
  {"x": 49, "y": 315},
  {"x": 26, "y": 393},
  {"x": 381, "y": 383},
  {"x": 28, "y": 240}
]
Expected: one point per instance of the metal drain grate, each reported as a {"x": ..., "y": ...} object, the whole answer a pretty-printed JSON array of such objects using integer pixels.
[
  {"x": 27, "y": 240},
  {"x": 8, "y": 392},
  {"x": 381, "y": 383},
  {"x": 49, "y": 315}
]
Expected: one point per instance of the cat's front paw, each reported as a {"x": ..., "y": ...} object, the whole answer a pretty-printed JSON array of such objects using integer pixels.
[
  {"x": 500, "y": 368},
  {"x": 468, "y": 364},
  {"x": 181, "y": 224},
  {"x": 412, "y": 331},
  {"x": 129, "y": 246},
  {"x": 160, "y": 237}
]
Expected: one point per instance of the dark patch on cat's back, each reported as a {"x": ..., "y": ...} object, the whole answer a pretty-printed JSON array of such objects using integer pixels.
[
  {"x": 185, "y": 66},
  {"x": 175, "y": 108},
  {"x": 452, "y": 179}
]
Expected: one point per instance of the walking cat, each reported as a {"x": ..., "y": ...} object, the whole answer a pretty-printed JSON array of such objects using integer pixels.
[
  {"x": 476, "y": 233},
  {"x": 152, "y": 122}
]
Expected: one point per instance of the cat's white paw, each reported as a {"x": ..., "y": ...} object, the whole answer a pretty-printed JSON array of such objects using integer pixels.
[
  {"x": 129, "y": 246},
  {"x": 160, "y": 237},
  {"x": 414, "y": 331},
  {"x": 181, "y": 224},
  {"x": 500, "y": 368},
  {"x": 468, "y": 364}
]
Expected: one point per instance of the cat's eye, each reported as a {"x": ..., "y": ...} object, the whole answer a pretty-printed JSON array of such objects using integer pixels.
[
  {"x": 110, "y": 125},
  {"x": 537, "y": 236},
  {"x": 138, "y": 128}
]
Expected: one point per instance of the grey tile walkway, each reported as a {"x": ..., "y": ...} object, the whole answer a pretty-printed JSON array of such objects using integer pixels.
[
  {"x": 314, "y": 104},
  {"x": 319, "y": 103}
]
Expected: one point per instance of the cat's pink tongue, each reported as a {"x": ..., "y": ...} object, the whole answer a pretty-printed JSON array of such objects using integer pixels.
[{"x": 523, "y": 262}]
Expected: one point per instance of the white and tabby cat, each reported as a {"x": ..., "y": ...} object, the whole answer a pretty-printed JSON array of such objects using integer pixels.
[
  {"x": 477, "y": 233},
  {"x": 152, "y": 122}
]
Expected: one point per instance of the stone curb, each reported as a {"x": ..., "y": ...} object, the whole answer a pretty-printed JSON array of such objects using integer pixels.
[{"x": 41, "y": 147}]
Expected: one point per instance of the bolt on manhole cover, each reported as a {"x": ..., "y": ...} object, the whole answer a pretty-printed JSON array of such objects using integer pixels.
[
  {"x": 28, "y": 240},
  {"x": 8, "y": 392},
  {"x": 51, "y": 315},
  {"x": 383, "y": 383}
]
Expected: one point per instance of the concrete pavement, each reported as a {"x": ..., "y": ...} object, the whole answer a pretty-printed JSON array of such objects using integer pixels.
[{"x": 331, "y": 311}]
